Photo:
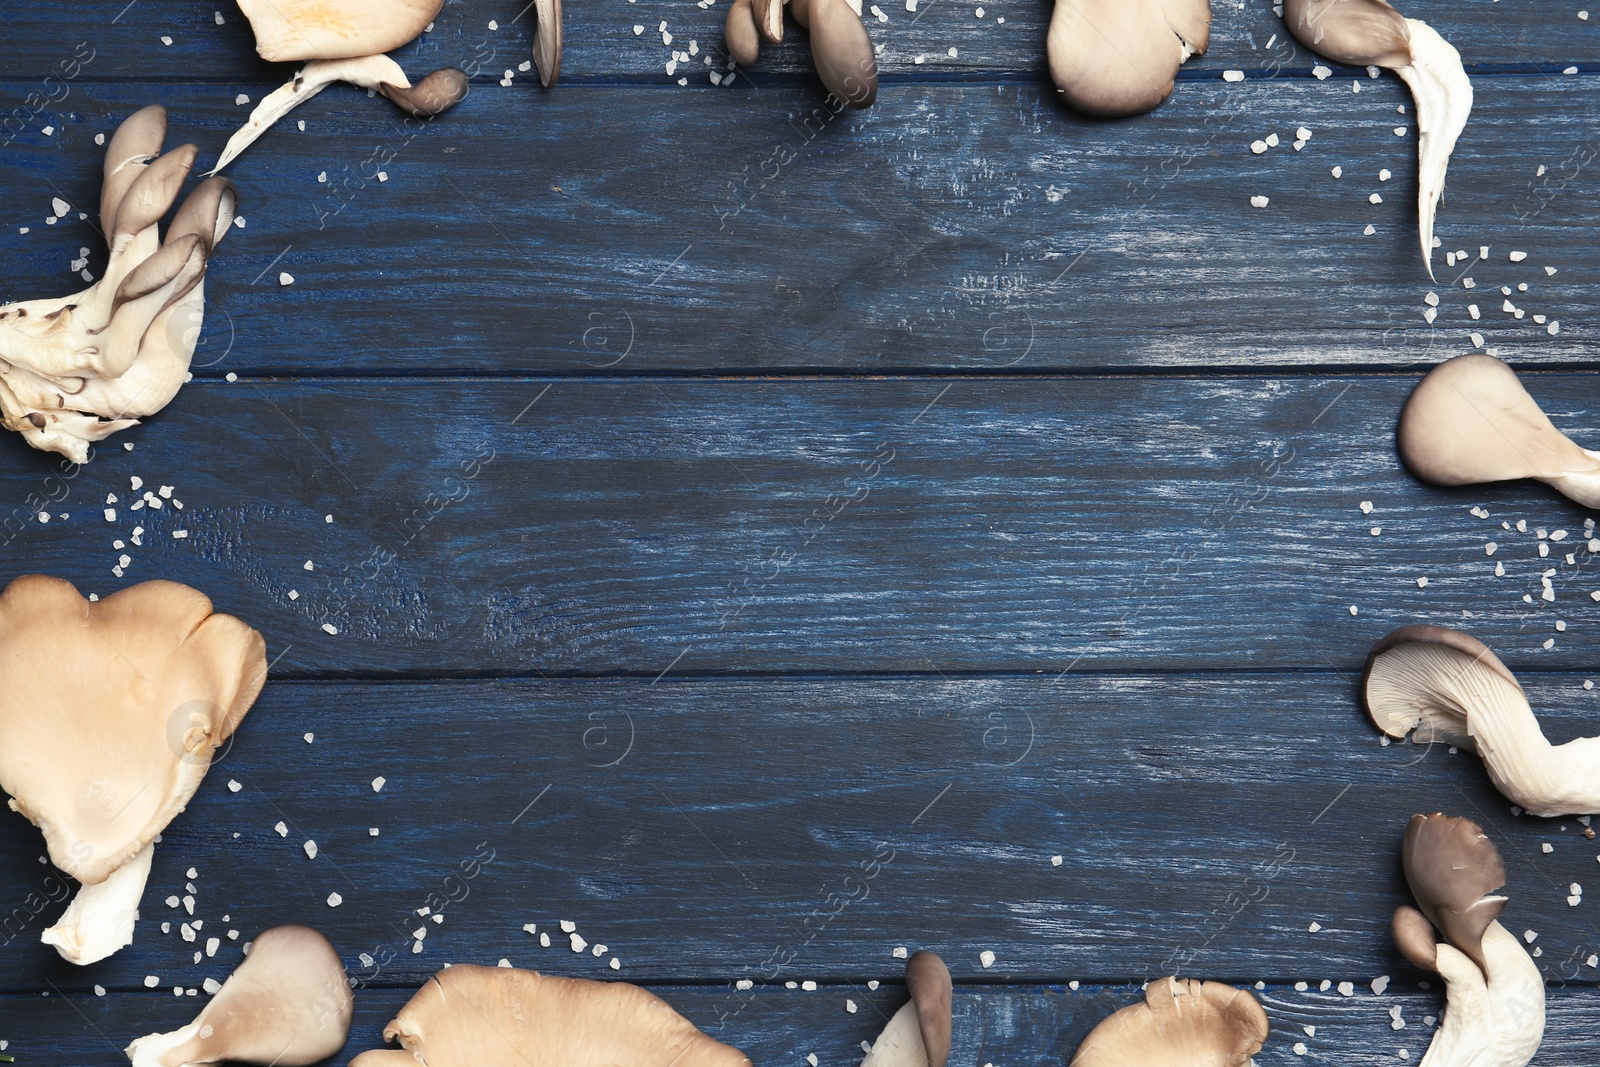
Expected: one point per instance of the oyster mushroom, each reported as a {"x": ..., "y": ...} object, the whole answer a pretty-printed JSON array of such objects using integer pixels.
[
  {"x": 109, "y": 714},
  {"x": 287, "y": 1005},
  {"x": 344, "y": 40},
  {"x": 1470, "y": 420},
  {"x": 1182, "y": 1021},
  {"x": 1438, "y": 684},
  {"x": 1370, "y": 33},
  {"x": 76, "y": 369},
  {"x": 918, "y": 1035},
  {"x": 840, "y": 47},
  {"x": 1494, "y": 994},
  {"x": 547, "y": 41},
  {"x": 467, "y": 1016},
  {"x": 1113, "y": 58}
]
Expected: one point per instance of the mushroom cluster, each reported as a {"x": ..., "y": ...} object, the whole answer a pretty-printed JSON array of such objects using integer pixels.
[
  {"x": 1438, "y": 684},
  {"x": 1494, "y": 993},
  {"x": 76, "y": 369},
  {"x": 468, "y": 1016},
  {"x": 1470, "y": 420},
  {"x": 918, "y": 1035},
  {"x": 287, "y": 1005},
  {"x": 110, "y": 712},
  {"x": 1181, "y": 1021},
  {"x": 840, "y": 47},
  {"x": 1371, "y": 33},
  {"x": 1115, "y": 58},
  {"x": 345, "y": 40}
]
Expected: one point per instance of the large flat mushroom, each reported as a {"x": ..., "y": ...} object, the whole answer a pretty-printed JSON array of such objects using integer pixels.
[
  {"x": 76, "y": 369},
  {"x": 1114, "y": 58},
  {"x": 109, "y": 714},
  {"x": 918, "y": 1035},
  {"x": 1181, "y": 1021},
  {"x": 1470, "y": 420},
  {"x": 345, "y": 40},
  {"x": 468, "y": 1016},
  {"x": 1494, "y": 993},
  {"x": 287, "y": 1005},
  {"x": 1371, "y": 33},
  {"x": 1442, "y": 685}
]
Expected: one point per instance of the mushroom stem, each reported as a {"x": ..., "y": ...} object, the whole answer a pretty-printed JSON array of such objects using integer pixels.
[
  {"x": 1503, "y": 1012},
  {"x": 100, "y": 919},
  {"x": 438, "y": 92},
  {"x": 1443, "y": 96}
]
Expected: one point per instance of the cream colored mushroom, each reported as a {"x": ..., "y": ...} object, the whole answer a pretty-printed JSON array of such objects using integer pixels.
[
  {"x": 75, "y": 369},
  {"x": 547, "y": 41},
  {"x": 1470, "y": 420},
  {"x": 344, "y": 40},
  {"x": 1494, "y": 993},
  {"x": 468, "y": 1016},
  {"x": 1442, "y": 685},
  {"x": 840, "y": 47},
  {"x": 109, "y": 714},
  {"x": 1372, "y": 33},
  {"x": 287, "y": 1005},
  {"x": 918, "y": 1035},
  {"x": 1182, "y": 1021},
  {"x": 1113, "y": 58}
]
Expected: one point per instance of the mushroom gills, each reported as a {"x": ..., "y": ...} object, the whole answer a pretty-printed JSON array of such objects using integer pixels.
[
  {"x": 100, "y": 919},
  {"x": 547, "y": 41},
  {"x": 287, "y": 1005},
  {"x": 1180, "y": 1021},
  {"x": 1470, "y": 420},
  {"x": 1118, "y": 58}
]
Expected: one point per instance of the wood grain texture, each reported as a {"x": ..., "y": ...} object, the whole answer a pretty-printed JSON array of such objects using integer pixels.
[
  {"x": 558, "y": 527},
  {"x": 801, "y": 829},
  {"x": 1034, "y": 1027},
  {"x": 599, "y": 41},
  {"x": 953, "y": 227}
]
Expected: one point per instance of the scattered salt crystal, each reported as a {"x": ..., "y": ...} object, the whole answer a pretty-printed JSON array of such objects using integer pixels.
[
  {"x": 1380, "y": 983},
  {"x": 1518, "y": 257},
  {"x": 234, "y": 786},
  {"x": 377, "y": 783},
  {"x": 1258, "y": 147},
  {"x": 311, "y": 849},
  {"x": 1320, "y": 72},
  {"x": 241, "y": 100},
  {"x": 900, "y": 952},
  {"x": 1314, "y": 927},
  {"x": 1233, "y": 75},
  {"x": 1375, "y": 199},
  {"x": 330, "y": 628},
  {"x": 1259, "y": 201},
  {"x": 1055, "y": 861},
  {"x": 1347, "y": 989},
  {"x": 1338, "y": 172},
  {"x": 986, "y": 958}
]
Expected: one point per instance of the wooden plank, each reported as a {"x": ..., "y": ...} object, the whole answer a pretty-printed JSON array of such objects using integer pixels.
[
  {"x": 1011, "y": 1025},
  {"x": 713, "y": 830},
  {"x": 600, "y": 43},
  {"x": 814, "y": 525},
  {"x": 955, "y": 227}
]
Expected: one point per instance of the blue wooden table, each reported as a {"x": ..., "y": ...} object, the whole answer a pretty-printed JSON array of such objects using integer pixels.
[{"x": 714, "y": 503}]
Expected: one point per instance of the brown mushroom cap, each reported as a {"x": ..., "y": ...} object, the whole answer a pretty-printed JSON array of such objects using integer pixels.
[
  {"x": 1427, "y": 678},
  {"x": 1413, "y": 936},
  {"x": 295, "y": 30},
  {"x": 739, "y": 30},
  {"x": 133, "y": 145},
  {"x": 1470, "y": 420},
  {"x": 1182, "y": 1021},
  {"x": 110, "y": 711},
  {"x": 469, "y": 1016},
  {"x": 1113, "y": 58},
  {"x": 928, "y": 982},
  {"x": 1363, "y": 33},
  {"x": 1453, "y": 868},
  {"x": 843, "y": 52},
  {"x": 433, "y": 95}
]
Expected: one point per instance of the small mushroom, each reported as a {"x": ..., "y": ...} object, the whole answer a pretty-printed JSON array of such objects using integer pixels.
[
  {"x": 1371, "y": 33},
  {"x": 1438, "y": 684},
  {"x": 1182, "y": 1021},
  {"x": 840, "y": 46},
  {"x": 918, "y": 1035},
  {"x": 1114, "y": 58},
  {"x": 287, "y": 1005},
  {"x": 547, "y": 41},
  {"x": 344, "y": 40},
  {"x": 109, "y": 714},
  {"x": 468, "y": 1016},
  {"x": 1494, "y": 993},
  {"x": 1470, "y": 420},
  {"x": 75, "y": 369}
]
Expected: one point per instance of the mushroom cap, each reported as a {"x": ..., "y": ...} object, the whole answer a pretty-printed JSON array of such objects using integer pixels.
[
  {"x": 294, "y": 30},
  {"x": 1470, "y": 420},
  {"x": 1363, "y": 33},
  {"x": 287, "y": 1005},
  {"x": 1113, "y": 58},
  {"x": 1422, "y": 678},
  {"x": 842, "y": 52},
  {"x": 1453, "y": 869},
  {"x": 1181, "y": 1022},
  {"x": 110, "y": 711},
  {"x": 928, "y": 981},
  {"x": 739, "y": 31},
  {"x": 1413, "y": 936},
  {"x": 467, "y": 1016}
]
